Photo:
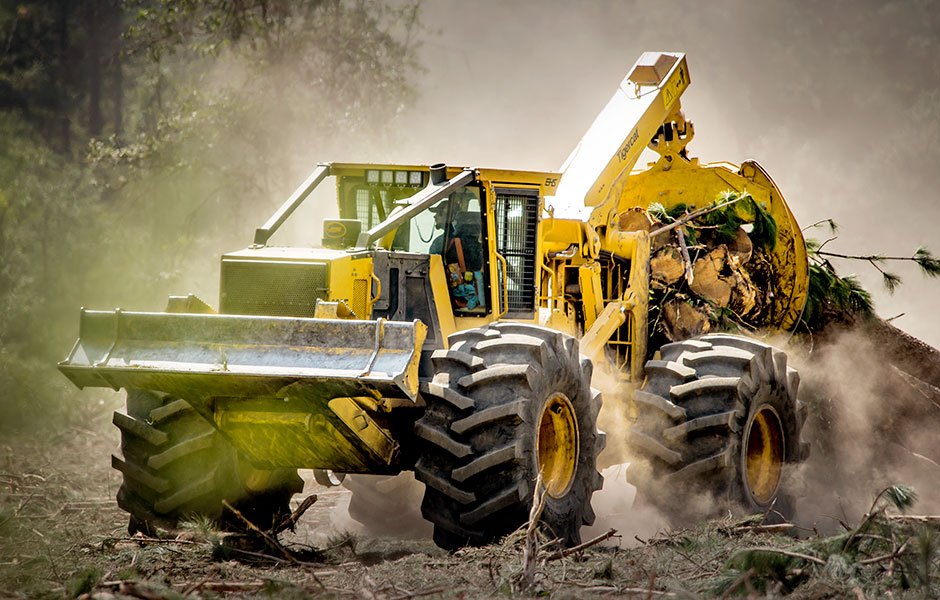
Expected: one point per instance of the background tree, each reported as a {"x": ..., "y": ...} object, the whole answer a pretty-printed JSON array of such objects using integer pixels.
[{"x": 140, "y": 137}]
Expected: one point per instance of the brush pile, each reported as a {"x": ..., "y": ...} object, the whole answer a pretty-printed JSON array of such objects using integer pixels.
[{"x": 709, "y": 269}]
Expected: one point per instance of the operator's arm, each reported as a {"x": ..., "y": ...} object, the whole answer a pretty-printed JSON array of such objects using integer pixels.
[{"x": 437, "y": 245}]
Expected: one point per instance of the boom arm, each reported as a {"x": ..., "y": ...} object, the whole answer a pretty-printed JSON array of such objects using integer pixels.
[{"x": 604, "y": 156}]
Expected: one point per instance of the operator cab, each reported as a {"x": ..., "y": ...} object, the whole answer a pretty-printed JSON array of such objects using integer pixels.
[
  {"x": 453, "y": 228},
  {"x": 484, "y": 230}
]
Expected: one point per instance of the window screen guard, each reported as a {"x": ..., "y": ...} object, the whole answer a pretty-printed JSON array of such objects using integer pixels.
[{"x": 517, "y": 213}]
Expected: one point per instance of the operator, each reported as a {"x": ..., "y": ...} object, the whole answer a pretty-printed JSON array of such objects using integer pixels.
[{"x": 441, "y": 221}]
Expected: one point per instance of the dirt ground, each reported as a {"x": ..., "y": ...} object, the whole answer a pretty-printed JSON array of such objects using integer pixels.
[{"x": 62, "y": 535}]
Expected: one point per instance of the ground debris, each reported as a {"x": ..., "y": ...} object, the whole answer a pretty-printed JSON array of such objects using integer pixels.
[{"x": 90, "y": 553}]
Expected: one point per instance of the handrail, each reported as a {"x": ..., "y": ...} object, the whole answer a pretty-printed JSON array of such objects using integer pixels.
[
  {"x": 551, "y": 291},
  {"x": 378, "y": 292},
  {"x": 264, "y": 233},
  {"x": 500, "y": 315}
]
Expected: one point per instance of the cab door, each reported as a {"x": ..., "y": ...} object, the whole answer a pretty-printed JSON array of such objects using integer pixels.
[{"x": 515, "y": 225}]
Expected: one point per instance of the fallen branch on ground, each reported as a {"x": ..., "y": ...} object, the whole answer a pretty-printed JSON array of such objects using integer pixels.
[
  {"x": 290, "y": 522},
  {"x": 530, "y": 553},
  {"x": 778, "y": 528},
  {"x": 433, "y": 590},
  {"x": 271, "y": 540},
  {"x": 145, "y": 540},
  {"x": 569, "y": 551},
  {"x": 593, "y": 587},
  {"x": 811, "y": 559}
]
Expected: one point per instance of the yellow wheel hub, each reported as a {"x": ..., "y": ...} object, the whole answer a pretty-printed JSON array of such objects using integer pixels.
[
  {"x": 558, "y": 445},
  {"x": 763, "y": 454}
]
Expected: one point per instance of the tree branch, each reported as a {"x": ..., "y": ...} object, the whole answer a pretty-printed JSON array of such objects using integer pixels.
[
  {"x": 695, "y": 215},
  {"x": 569, "y": 551},
  {"x": 811, "y": 559}
]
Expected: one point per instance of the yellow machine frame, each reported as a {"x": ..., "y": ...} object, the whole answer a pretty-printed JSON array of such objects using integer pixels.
[{"x": 577, "y": 291}]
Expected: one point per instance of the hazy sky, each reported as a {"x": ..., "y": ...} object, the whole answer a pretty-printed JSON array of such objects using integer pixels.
[{"x": 838, "y": 100}]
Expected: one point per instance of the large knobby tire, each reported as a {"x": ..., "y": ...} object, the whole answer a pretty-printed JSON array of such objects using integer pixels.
[
  {"x": 507, "y": 401},
  {"x": 718, "y": 419},
  {"x": 177, "y": 466}
]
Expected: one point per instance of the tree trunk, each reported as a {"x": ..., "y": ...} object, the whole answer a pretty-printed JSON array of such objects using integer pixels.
[
  {"x": 118, "y": 92},
  {"x": 63, "y": 121},
  {"x": 95, "y": 121}
]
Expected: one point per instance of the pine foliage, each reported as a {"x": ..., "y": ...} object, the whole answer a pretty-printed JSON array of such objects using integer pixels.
[
  {"x": 929, "y": 265},
  {"x": 830, "y": 295},
  {"x": 907, "y": 550},
  {"x": 834, "y": 297}
]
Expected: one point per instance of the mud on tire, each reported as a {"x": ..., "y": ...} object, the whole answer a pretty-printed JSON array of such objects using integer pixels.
[
  {"x": 718, "y": 416},
  {"x": 176, "y": 465},
  {"x": 480, "y": 432}
]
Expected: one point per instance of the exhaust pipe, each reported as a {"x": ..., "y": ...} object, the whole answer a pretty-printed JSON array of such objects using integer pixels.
[{"x": 438, "y": 174}]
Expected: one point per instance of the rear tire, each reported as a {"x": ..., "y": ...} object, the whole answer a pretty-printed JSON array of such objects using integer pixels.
[
  {"x": 718, "y": 417},
  {"x": 499, "y": 393},
  {"x": 176, "y": 466}
]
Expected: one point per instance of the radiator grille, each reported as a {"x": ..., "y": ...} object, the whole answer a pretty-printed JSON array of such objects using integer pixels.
[
  {"x": 275, "y": 288},
  {"x": 516, "y": 229},
  {"x": 360, "y": 291}
]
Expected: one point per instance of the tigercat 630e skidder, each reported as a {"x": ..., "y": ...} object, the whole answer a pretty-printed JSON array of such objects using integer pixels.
[{"x": 450, "y": 325}]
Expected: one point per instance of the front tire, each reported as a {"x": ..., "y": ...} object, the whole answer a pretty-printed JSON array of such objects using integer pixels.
[
  {"x": 176, "y": 465},
  {"x": 508, "y": 401},
  {"x": 718, "y": 417}
]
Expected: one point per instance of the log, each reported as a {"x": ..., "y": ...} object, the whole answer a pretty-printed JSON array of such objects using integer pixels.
[
  {"x": 635, "y": 219},
  {"x": 708, "y": 282},
  {"x": 682, "y": 320},
  {"x": 741, "y": 247},
  {"x": 719, "y": 278},
  {"x": 666, "y": 266},
  {"x": 743, "y": 292}
]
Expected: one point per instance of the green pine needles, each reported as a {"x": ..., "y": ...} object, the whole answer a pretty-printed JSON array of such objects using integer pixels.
[
  {"x": 725, "y": 216},
  {"x": 831, "y": 295}
]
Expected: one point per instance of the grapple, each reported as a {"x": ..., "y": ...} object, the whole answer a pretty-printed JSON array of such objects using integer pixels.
[{"x": 288, "y": 392}]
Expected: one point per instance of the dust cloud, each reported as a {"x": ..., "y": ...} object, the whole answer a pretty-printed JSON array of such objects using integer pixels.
[
  {"x": 616, "y": 507},
  {"x": 870, "y": 426},
  {"x": 615, "y": 504}
]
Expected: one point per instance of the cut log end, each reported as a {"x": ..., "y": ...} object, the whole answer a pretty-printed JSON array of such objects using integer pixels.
[
  {"x": 682, "y": 320},
  {"x": 666, "y": 266}
]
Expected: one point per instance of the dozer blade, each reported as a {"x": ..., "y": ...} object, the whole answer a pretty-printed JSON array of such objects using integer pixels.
[{"x": 287, "y": 391}]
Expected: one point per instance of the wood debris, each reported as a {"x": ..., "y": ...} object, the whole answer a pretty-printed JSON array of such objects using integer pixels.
[
  {"x": 666, "y": 266},
  {"x": 635, "y": 219},
  {"x": 707, "y": 272},
  {"x": 719, "y": 278},
  {"x": 683, "y": 320}
]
